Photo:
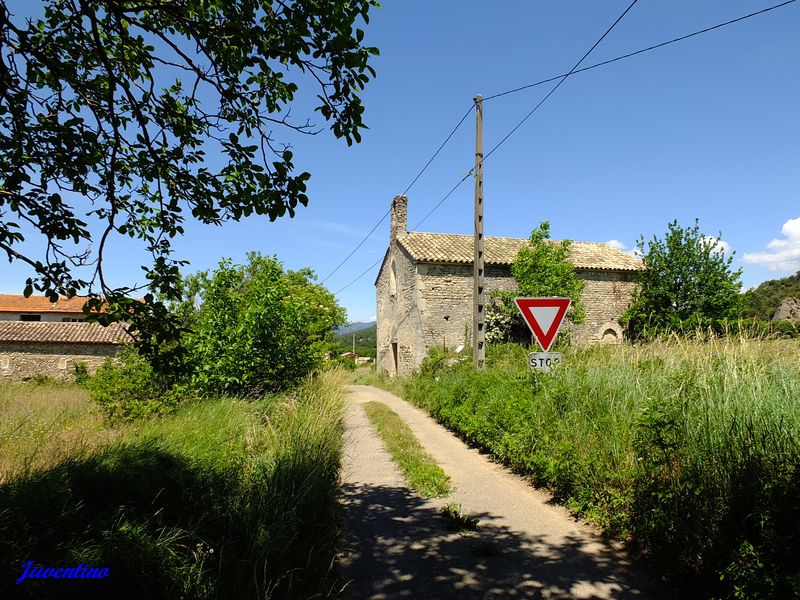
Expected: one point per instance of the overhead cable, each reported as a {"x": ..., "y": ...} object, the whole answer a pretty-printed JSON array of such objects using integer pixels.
[{"x": 410, "y": 185}]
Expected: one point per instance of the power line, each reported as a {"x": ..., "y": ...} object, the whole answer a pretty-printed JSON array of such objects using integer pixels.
[
  {"x": 410, "y": 185},
  {"x": 463, "y": 179},
  {"x": 642, "y": 51},
  {"x": 373, "y": 265},
  {"x": 446, "y": 196},
  {"x": 562, "y": 77},
  {"x": 558, "y": 85},
  {"x": 435, "y": 154}
]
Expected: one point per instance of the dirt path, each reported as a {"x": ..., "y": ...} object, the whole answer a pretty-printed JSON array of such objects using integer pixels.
[{"x": 396, "y": 544}]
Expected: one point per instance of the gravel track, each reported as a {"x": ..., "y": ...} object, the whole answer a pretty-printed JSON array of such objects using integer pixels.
[{"x": 396, "y": 544}]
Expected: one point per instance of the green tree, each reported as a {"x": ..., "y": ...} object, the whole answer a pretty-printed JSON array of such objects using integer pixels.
[
  {"x": 254, "y": 328},
  {"x": 127, "y": 118},
  {"x": 541, "y": 269},
  {"x": 688, "y": 282}
]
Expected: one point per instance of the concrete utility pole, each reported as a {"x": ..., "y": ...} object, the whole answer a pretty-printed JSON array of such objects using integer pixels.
[{"x": 478, "y": 314}]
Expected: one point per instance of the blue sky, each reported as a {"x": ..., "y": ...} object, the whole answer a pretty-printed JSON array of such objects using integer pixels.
[{"x": 708, "y": 128}]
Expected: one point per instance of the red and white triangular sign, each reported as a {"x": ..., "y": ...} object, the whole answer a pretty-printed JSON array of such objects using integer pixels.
[{"x": 544, "y": 317}]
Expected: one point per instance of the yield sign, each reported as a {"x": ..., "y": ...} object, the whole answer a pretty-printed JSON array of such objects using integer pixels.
[{"x": 544, "y": 317}]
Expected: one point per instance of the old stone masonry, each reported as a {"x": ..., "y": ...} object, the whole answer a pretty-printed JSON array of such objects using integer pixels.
[{"x": 424, "y": 289}]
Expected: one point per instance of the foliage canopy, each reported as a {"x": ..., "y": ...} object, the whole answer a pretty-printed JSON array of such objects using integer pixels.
[
  {"x": 255, "y": 328},
  {"x": 687, "y": 283},
  {"x": 110, "y": 111}
]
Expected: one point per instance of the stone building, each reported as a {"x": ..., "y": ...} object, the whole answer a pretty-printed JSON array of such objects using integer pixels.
[
  {"x": 424, "y": 289},
  {"x": 28, "y": 349}
]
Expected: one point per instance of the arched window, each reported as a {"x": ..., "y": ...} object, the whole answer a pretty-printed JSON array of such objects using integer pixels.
[
  {"x": 610, "y": 333},
  {"x": 393, "y": 279}
]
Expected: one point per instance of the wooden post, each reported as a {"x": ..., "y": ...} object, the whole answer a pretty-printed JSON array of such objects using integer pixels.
[{"x": 478, "y": 313}]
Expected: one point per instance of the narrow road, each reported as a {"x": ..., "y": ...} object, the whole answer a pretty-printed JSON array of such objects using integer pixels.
[{"x": 396, "y": 544}]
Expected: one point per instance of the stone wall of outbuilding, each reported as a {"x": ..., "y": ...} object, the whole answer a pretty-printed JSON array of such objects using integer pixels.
[
  {"x": 606, "y": 296},
  {"x": 22, "y": 361},
  {"x": 432, "y": 306},
  {"x": 399, "y": 327}
]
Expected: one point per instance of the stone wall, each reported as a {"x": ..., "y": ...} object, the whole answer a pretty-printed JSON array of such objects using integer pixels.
[
  {"x": 445, "y": 292},
  {"x": 399, "y": 328},
  {"x": 434, "y": 307},
  {"x": 606, "y": 296},
  {"x": 21, "y": 361}
]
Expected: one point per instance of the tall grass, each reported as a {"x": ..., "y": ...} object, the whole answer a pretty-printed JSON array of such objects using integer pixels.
[
  {"x": 689, "y": 449},
  {"x": 222, "y": 499},
  {"x": 43, "y": 424}
]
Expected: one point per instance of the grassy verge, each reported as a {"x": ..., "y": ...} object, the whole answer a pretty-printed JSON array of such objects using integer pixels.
[
  {"x": 42, "y": 424},
  {"x": 688, "y": 449},
  {"x": 420, "y": 470},
  {"x": 222, "y": 499}
]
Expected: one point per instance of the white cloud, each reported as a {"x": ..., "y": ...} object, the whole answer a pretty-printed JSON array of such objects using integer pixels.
[
  {"x": 372, "y": 318},
  {"x": 622, "y": 248},
  {"x": 781, "y": 254},
  {"x": 719, "y": 245}
]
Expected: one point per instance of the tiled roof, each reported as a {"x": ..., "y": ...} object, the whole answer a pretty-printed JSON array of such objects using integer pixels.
[
  {"x": 452, "y": 248},
  {"x": 44, "y": 332},
  {"x": 39, "y": 304}
]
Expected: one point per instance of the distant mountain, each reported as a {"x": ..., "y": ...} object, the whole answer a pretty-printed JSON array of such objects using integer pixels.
[
  {"x": 365, "y": 339},
  {"x": 763, "y": 301},
  {"x": 354, "y": 327}
]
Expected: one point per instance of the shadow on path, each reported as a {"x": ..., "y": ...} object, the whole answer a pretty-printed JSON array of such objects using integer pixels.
[{"x": 400, "y": 547}]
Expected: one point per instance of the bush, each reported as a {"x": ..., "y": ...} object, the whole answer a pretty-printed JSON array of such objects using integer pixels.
[
  {"x": 81, "y": 374},
  {"x": 223, "y": 499},
  {"x": 255, "y": 328},
  {"x": 128, "y": 389}
]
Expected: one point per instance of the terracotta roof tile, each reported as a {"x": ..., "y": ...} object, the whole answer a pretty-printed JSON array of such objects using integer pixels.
[
  {"x": 452, "y": 248},
  {"x": 19, "y": 303},
  {"x": 44, "y": 332}
]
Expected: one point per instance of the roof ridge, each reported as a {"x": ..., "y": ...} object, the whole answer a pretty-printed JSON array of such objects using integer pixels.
[{"x": 457, "y": 248}]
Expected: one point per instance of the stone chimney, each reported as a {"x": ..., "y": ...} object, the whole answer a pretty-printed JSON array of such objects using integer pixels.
[{"x": 399, "y": 218}]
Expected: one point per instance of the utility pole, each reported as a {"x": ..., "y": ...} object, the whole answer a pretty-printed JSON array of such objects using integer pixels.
[
  {"x": 478, "y": 314},
  {"x": 354, "y": 343}
]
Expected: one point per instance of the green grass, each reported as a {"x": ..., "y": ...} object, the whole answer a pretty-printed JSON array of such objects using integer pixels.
[
  {"x": 690, "y": 450},
  {"x": 40, "y": 425},
  {"x": 222, "y": 499},
  {"x": 420, "y": 470}
]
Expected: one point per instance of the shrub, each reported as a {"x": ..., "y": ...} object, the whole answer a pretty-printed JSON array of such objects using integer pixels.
[
  {"x": 128, "y": 388},
  {"x": 255, "y": 328},
  {"x": 688, "y": 448},
  {"x": 81, "y": 374}
]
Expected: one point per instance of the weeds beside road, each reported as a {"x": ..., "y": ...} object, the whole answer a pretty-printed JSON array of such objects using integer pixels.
[
  {"x": 688, "y": 449},
  {"x": 224, "y": 498}
]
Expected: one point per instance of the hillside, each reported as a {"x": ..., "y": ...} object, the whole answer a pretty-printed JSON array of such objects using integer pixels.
[
  {"x": 354, "y": 327},
  {"x": 763, "y": 301},
  {"x": 366, "y": 340}
]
